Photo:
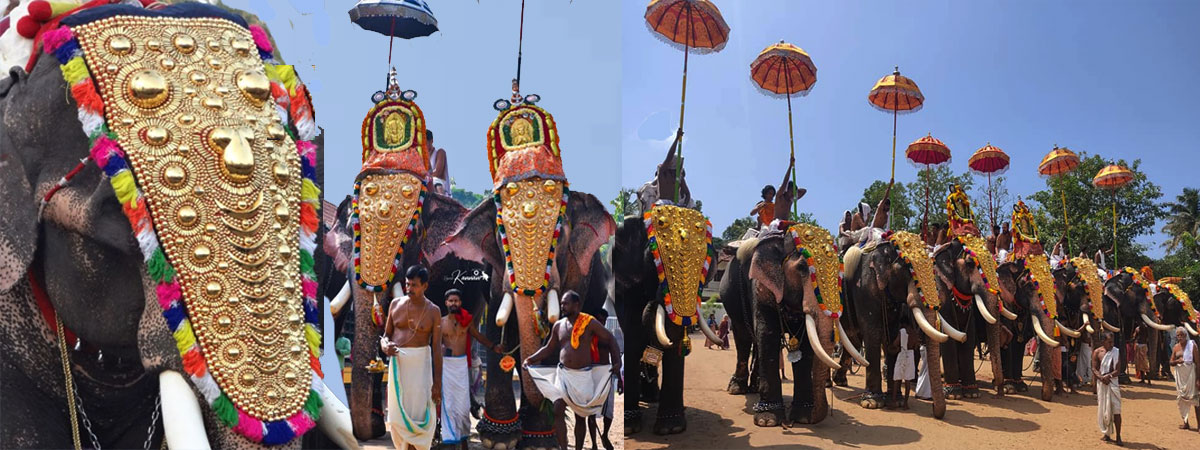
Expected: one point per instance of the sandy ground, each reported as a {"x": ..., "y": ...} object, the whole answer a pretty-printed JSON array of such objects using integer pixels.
[{"x": 717, "y": 419}]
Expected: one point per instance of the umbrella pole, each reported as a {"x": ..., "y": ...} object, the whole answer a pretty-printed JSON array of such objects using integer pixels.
[
  {"x": 991, "y": 206},
  {"x": 1114, "y": 246},
  {"x": 791, "y": 135},
  {"x": 895, "y": 113},
  {"x": 925, "y": 216},
  {"x": 1066, "y": 224},
  {"x": 682, "y": 101}
]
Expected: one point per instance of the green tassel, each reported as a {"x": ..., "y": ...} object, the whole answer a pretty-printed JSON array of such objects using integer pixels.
[
  {"x": 313, "y": 405},
  {"x": 226, "y": 412},
  {"x": 306, "y": 263},
  {"x": 159, "y": 268}
]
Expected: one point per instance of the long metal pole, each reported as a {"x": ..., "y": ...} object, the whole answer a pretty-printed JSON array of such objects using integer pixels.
[
  {"x": 520, "y": 42},
  {"x": 895, "y": 113},
  {"x": 1066, "y": 223},
  {"x": 687, "y": 43},
  {"x": 1114, "y": 246},
  {"x": 991, "y": 206},
  {"x": 791, "y": 134}
]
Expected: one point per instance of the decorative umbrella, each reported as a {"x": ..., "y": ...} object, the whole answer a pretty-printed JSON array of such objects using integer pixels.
[
  {"x": 895, "y": 93},
  {"x": 989, "y": 160},
  {"x": 927, "y": 151},
  {"x": 1059, "y": 161},
  {"x": 694, "y": 25},
  {"x": 404, "y": 19},
  {"x": 1111, "y": 178},
  {"x": 784, "y": 69}
]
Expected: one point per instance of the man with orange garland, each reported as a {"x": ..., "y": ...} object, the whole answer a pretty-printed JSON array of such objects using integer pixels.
[{"x": 457, "y": 334}]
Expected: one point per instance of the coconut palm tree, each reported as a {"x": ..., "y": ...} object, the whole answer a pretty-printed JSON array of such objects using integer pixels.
[{"x": 1183, "y": 218}]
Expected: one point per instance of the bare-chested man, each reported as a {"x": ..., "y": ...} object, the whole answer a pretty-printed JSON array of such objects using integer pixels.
[
  {"x": 412, "y": 339},
  {"x": 1105, "y": 369},
  {"x": 576, "y": 382},
  {"x": 457, "y": 334}
]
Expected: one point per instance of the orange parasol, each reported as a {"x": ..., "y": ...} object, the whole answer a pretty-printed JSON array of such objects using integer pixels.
[
  {"x": 697, "y": 26},
  {"x": 1111, "y": 178},
  {"x": 989, "y": 160},
  {"x": 896, "y": 93},
  {"x": 784, "y": 69},
  {"x": 928, "y": 151},
  {"x": 1059, "y": 161}
]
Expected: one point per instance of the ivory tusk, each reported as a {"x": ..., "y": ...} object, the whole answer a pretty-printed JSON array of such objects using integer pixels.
[
  {"x": 339, "y": 301},
  {"x": 660, "y": 326},
  {"x": 335, "y": 418},
  {"x": 506, "y": 307},
  {"x": 1067, "y": 331},
  {"x": 1089, "y": 328},
  {"x": 1109, "y": 327},
  {"x": 552, "y": 306},
  {"x": 183, "y": 426},
  {"x": 928, "y": 328},
  {"x": 810, "y": 325},
  {"x": 950, "y": 331},
  {"x": 1191, "y": 330},
  {"x": 847, "y": 346},
  {"x": 983, "y": 311},
  {"x": 1006, "y": 313},
  {"x": 708, "y": 332},
  {"x": 1155, "y": 325},
  {"x": 1037, "y": 328}
]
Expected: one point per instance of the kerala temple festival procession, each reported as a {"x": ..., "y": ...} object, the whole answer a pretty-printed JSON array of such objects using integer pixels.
[{"x": 192, "y": 258}]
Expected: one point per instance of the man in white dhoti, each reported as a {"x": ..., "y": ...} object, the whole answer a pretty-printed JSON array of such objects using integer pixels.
[
  {"x": 1183, "y": 359},
  {"x": 576, "y": 382},
  {"x": 412, "y": 331},
  {"x": 1105, "y": 369},
  {"x": 457, "y": 334}
]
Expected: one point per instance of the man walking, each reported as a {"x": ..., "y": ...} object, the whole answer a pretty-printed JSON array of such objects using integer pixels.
[
  {"x": 1105, "y": 370},
  {"x": 457, "y": 334},
  {"x": 412, "y": 331},
  {"x": 1183, "y": 359}
]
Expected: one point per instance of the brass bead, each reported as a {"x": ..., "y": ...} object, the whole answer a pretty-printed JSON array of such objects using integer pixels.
[
  {"x": 371, "y": 188},
  {"x": 184, "y": 43},
  {"x": 148, "y": 89},
  {"x": 120, "y": 45},
  {"x": 187, "y": 216},
  {"x": 285, "y": 250},
  {"x": 295, "y": 349},
  {"x": 255, "y": 86},
  {"x": 275, "y": 132},
  {"x": 198, "y": 77},
  {"x": 224, "y": 321},
  {"x": 281, "y": 212},
  {"x": 187, "y": 119},
  {"x": 233, "y": 352},
  {"x": 157, "y": 136},
  {"x": 549, "y": 186},
  {"x": 529, "y": 210},
  {"x": 281, "y": 172},
  {"x": 385, "y": 209},
  {"x": 215, "y": 63},
  {"x": 213, "y": 288},
  {"x": 213, "y": 45},
  {"x": 201, "y": 253},
  {"x": 512, "y": 188},
  {"x": 241, "y": 46},
  {"x": 154, "y": 44},
  {"x": 111, "y": 68},
  {"x": 175, "y": 176},
  {"x": 407, "y": 191},
  {"x": 289, "y": 285},
  {"x": 237, "y": 157},
  {"x": 214, "y": 103},
  {"x": 167, "y": 63}
]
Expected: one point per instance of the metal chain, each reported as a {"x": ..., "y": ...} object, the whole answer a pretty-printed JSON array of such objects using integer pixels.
[
  {"x": 87, "y": 423},
  {"x": 68, "y": 383},
  {"x": 153, "y": 422}
]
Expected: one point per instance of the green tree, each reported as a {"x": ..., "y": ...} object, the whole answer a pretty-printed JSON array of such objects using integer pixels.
[
  {"x": 804, "y": 217},
  {"x": 467, "y": 198},
  {"x": 903, "y": 214},
  {"x": 939, "y": 181},
  {"x": 624, "y": 204},
  {"x": 1184, "y": 263},
  {"x": 1183, "y": 218},
  {"x": 1001, "y": 200},
  {"x": 736, "y": 229},
  {"x": 1090, "y": 211}
]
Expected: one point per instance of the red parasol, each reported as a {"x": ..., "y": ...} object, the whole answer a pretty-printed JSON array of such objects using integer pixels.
[
  {"x": 928, "y": 151},
  {"x": 989, "y": 160}
]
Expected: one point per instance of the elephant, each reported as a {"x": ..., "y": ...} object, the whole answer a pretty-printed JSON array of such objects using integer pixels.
[
  {"x": 881, "y": 294},
  {"x": 1127, "y": 301},
  {"x": 1022, "y": 315},
  {"x": 969, "y": 305},
  {"x": 77, "y": 293},
  {"x": 1172, "y": 309}
]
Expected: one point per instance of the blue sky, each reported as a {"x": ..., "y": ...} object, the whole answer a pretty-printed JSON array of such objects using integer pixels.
[{"x": 1100, "y": 77}]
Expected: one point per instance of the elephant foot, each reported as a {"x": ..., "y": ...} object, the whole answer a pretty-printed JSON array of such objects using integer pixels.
[
  {"x": 499, "y": 435},
  {"x": 768, "y": 414},
  {"x": 670, "y": 423},
  {"x": 633, "y": 422},
  {"x": 839, "y": 378},
  {"x": 1021, "y": 386},
  {"x": 1009, "y": 387},
  {"x": 953, "y": 392},
  {"x": 538, "y": 440},
  {"x": 738, "y": 386},
  {"x": 801, "y": 413},
  {"x": 871, "y": 400}
]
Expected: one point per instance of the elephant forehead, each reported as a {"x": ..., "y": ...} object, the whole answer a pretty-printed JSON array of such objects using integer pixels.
[
  {"x": 386, "y": 209},
  {"x": 913, "y": 251},
  {"x": 680, "y": 239},
  {"x": 529, "y": 219}
]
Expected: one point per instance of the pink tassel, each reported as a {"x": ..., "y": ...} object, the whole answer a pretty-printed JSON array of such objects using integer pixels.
[
  {"x": 53, "y": 39},
  {"x": 309, "y": 287},
  {"x": 301, "y": 423},
  {"x": 260, "y": 38},
  {"x": 103, "y": 149},
  {"x": 308, "y": 150},
  {"x": 168, "y": 293},
  {"x": 249, "y": 427}
]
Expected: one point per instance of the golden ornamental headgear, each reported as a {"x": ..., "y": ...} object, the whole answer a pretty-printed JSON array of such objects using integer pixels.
[
  {"x": 522, "y": 142},
  {"x": 393, "y": 133}
]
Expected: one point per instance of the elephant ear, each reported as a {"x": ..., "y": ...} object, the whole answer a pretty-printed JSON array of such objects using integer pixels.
[
  {"x": 475, "y": 238},
  {"x": 18, "y": 223},
  {"x": 448, "y": 214},
  {"x": 766, "y": 266},
  {"x": 589, "y": 225}
]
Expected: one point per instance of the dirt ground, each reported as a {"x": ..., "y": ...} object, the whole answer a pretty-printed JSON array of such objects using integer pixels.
[{"x": 718, "y": 420}]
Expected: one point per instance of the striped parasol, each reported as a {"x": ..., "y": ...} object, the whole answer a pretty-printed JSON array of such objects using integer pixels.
[
  {"x": 927, "y": 151},
  {"x": 895, "y": 93},
  {"x": 1111, "y": 178},
  {"x": 1059, "y": 161},
  {"x": 989, "y": 160},
  {"x": 784, "y": 69}
]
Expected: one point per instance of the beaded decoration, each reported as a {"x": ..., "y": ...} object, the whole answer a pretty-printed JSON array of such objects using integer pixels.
[
  {"x": 1183, "y": 298},
  {"x": 413, "y": 222},
  {"x": 1043, "y": 283},
  {"x": 920, "y": 266},
  {"x": 674, "y": 255},
  {"x": 1141, "y": 281},
  {"x": 528, "y": 289},
  {"x": 1089, "y": 275},
  {"x": 825, "y": 268}
]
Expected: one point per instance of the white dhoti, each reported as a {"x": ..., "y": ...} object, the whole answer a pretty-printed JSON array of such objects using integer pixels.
[
  {"x": 583, "y": 390},
  {"x": 906, "y": 368},
  {"x": 456, "y": 401},
  {"x": 1185, "y": 382},
  {"x": 1108, "y": 396},
  {"x": 411, "y": 413},
  {"x": 923, "y": 390},
  {"x": 1083, "y": 369}
]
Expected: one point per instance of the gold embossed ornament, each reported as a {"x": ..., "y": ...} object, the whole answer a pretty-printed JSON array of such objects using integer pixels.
[
  {"x": 920, "y": 266},
  {"x": 820, "y": 254},
  {"x": 681, "y": 241},
  {"x": 1089, "y": 274}
]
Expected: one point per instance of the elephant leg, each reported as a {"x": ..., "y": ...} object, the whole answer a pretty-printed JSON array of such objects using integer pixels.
[
  {"x": 671, "y": 418},
  {"x": 873, "y": 346},
  {"x": 803, "y": 385},
  {"x": 366, "y": 389},
  {"x": 500, "y": 426},
  {"x": 950, "y": 363},
  {"x": 966, "y": 365},
  {"x": 768, "y": 412},
  {"x": 743, "y": 340},
  {"x": 893, "y": 387}
]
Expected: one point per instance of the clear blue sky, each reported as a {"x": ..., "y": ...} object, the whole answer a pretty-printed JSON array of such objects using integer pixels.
[
  {"x": 1101, "y": 77},
  {"x": 571, "y": 59}
]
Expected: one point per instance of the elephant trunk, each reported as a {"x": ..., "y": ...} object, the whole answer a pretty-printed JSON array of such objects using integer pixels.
[
  {"x": 993, "y": 339},
  {"x": 363, "y": 349},
  {"x": 530, "y": 342},
  {"x": 820, "y": 373},
  {"x": 933, "y": 357},
  {"x": 1046, "y": 356},
  {"x": 1155, "y": 325}
]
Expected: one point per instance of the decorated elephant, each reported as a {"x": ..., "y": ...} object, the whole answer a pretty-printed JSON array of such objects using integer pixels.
[
  {"x": 539, "y": 238},
  {"x": 1176, "y": 307},
  {"x": 1128, "y": 301},
  {"x": 158, "y": 238}
]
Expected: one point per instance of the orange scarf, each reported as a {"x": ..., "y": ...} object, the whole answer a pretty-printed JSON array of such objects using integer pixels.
[{"x": 579, "y": 327}]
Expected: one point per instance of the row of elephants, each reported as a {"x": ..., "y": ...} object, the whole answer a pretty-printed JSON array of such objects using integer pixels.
[{"x": 956, "y": 292}]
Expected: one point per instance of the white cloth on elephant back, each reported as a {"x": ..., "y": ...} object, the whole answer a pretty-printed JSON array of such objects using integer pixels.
[
  {"x": 923, "y": 384},
  {"x": 905, "y": 366},
  {"x": 411, "y": 413},
  {"x": 583, "y": 390},
  {"x": 456, "y": 401},
  {"x": 1108, "y": 396}
]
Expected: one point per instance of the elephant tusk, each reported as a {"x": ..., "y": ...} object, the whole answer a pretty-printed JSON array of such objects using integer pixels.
[
  {"x": 1155, "y": 325},
  {"x": 1191, "y": 330},
  {"x": 1037, "y": 328},
  {"x": 1109, "y": 327},
  {"x": 339, "y": 301},
  {"x": 847, "y": 346},
  {"x": 183, "y": 426},
  {"x": 335, "y": 418},
  {"x": 552, "y": 306},
  {"x": 950, "y": 331},
  {"x": 1006, "y": 313},
  {"x": 660, "y": 326},
  {"x": 928, "y": 328},
  {"x": 983, "y": 311},
  {"x": 810, "y": 325},
  {"x": 506, "y": 307},
  {"x": 1067, "y": 331},
  {"x": 708, "y": 332}
]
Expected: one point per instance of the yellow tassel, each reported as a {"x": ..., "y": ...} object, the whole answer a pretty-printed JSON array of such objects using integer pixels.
[
  {"x": 271, "y": 71},
  {"x": 74, "y": 71},
  {"x": 59, "y": 8},
  {"x": 125, "y": 187},
  {"x": 314, "y": 339},
  {"x": 309, "y": 191},
  {"x": 287, "y": 76},
  {"x": 184, "y": 338}
]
